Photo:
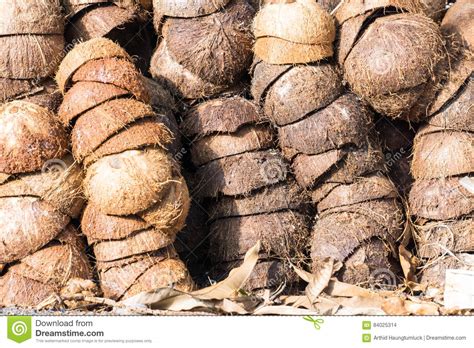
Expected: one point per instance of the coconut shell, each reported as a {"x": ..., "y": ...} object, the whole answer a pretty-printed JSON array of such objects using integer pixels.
[
  {"x": 180, "y": 81},
  {"x": 84, "y": 96},
  {"x": 44, "y": 53},
  {"x": 224, "y": 115},
  {"x": 27, "y": 224},
  {"x": 218, "y": 47},
  {"x": 128, "y": 182},
  {"x": 282, "y": 196},
  {"x": 282, "y": 234},
  {"x": 16, "y": 290},
  {"x": 442, "y": 154},
  {"x": 29, "y": 136},
  {"x": 441, "y": 199},
  {"x": 264, "y": 75},
  {"x": 189, "y": 9},
  {"x": 84, "y": 52},
  {"x": 100, "y": 123},
  {"x": 300, "y": 91},
  {"x": 218, "y": 146},
  {"x": 436, "y": 238},
  {"x": 434, "y": 273},
  {"x": 117, "y": 71},
  {"x": 345, "y": 121},
  {"x": 458, "y": 22},
  {"x": 309, "y": 168},
  {"x": 349, "y": 31},
  {"x": 230, "y": 175}
]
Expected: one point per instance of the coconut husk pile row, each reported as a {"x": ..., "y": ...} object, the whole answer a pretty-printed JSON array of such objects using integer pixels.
[
  {"x": 137, "y": 198},
  {"x": 247, "y": 189},
  {"x": 32, "y": 46},
  {"x": 327, "y": 135},
  {"x": 204, "y": 47},
  {"x": 40, "y": 192},
  {"x": 442, "y": 197}
]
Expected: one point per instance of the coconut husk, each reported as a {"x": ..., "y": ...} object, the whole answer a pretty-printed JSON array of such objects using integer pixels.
[
  {"x": 32, "y": 17},
  {"x": 16, "y": 290},
  {"x": 441, "y": 199},
  {"x": 117, "y": 71},
  {"x": 29, "y": 136},
  {"x": 434, "y": 273},
  {"x": 147, "y": 132},
  {"x": 264, "y": 75},
  {"x": 59, "y": 183},
  {"x": 435, "y": 9},
  {"x": 44, "y": 55},
  {"x": 329, "y": 5},
  {"x": 129, "y": 182},
  {"x": 84, "y": 52},
  {"x": 100, "y": 123},
  {"x": 282, "y": 234},
  {"x": 160, "y": 97},
  {"x": 10, "y": 88},
  {"x": 218, "y": 146},
  {"x": 189, "y": 9},
  {"x": 27, "y": 224},
  {"x": 217, "y": 48},
  {"x": 221, "y": 115},
  {"x": 230, "y": 175},
  {"x": 349, "y": 31},
  {"x": 180, "y": 81},
  {"x": 458, "y": 22},
  {"x": 309, "y": 168},
  {"x": 435, "y": 238},
  {"x": 345, "y": 121},
  {"x": 300, "y": 91},
  {"x": 282, "y": 196},
  {"x": 84, "y": 96}
]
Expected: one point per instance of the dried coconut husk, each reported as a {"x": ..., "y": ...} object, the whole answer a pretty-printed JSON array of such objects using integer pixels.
[
  {"x": 435, "y": 9},
  {"x": 45, "y": 272},
  {"x": 160, "y": 97},
  {"x": 282, "y": 196},
  {"x": 391, "y": 85},
  {"x": 264, "y": 75},
  {"x": 240, "y": 174},
  {"x": 129, "y": 182},
  {"x": 300, "y": 91},
  {"x": 439, "y": 153},
  {"x": 434, "y": 273},
  {"x": 345, "y": 121},
  {"x": 84, "y": 52},
  {"x": 441, "y": 199},
  {"x": 44, "y": 53},
  {"x": 216, "y": 146},
  {"x": 329, "y": 5},
  {"x": 218, "y": 47},
  {"x": 458, "y": 22},
  {"x": 59, "y": 183},
  {"x": 29, "y": 136},
  {"x": 188, "y": 9},
  {"x": 435, "y": 238},
  {"x": 27, "y": 224},
  {"x": 180, "y": 81},
  {"x": 282, "y": 234}
]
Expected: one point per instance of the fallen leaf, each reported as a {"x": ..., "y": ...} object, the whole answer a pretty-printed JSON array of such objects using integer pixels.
[{"x": 408, "y": 263}]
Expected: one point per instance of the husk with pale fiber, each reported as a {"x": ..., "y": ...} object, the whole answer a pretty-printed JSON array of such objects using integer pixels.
[{"x": 189, "y": 9}]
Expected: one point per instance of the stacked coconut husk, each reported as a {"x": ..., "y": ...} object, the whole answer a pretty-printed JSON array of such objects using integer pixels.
[
  {"x": 40, "y": 192},
  {"x": 205, "y": 46},
  {"x": 442, "y": 197},
  {"x": 32, "y": 46},
  {"x": 123, "y": 21},
  {"x": 326, "y": 135},
  {"x": 393, "y": 55},
  {"x": 248, "y": 191},
  {"x": 137, "y": 198}
]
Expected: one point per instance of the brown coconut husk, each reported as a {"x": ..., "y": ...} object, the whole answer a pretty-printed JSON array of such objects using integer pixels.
[
  {"x": 441, "y": 154},
  {"x": 329, "y": 5},
  {"x": 309, "y": 168},
  {"x": 345, "y": 121},
  {"x": 230, "y": 175},
  {"x": 180, "y": 81},
  {"x": 392, "y": 86},
  {"x": 84, "y": 52},
  {"x": 160, "y": 97},
  {"x": 282, "y": 234},
  {"x": 45, "y": 272},
  {"x": 435, "y": 238},
  {"x": 441, "y": 199},
  {"x": 264, "y": 75},
  {"x": 458, "y": 22},
  {"x": 29, "y": 136},
  {"x": 218, "y": 47},
  {"x": 129, "y": 182},
  {"x": 434, "y": 272},
  {"x": 435, "y": 9},
  {"x": 219, "y": 146},
  {"x": 189, "y": 9},
  {"x": 282, "y": 196},
  {"x": 300, "y": 91}
]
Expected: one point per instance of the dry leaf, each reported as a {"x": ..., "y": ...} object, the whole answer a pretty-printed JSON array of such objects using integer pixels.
[
  {"x": 408, "y": 263},
  {"x": 423, "y": 308}
]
